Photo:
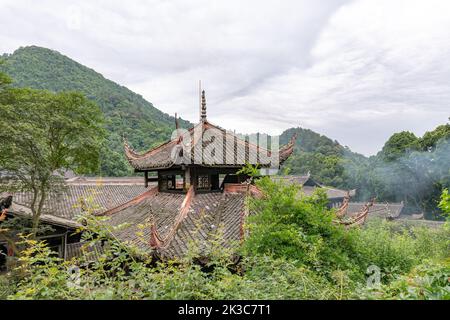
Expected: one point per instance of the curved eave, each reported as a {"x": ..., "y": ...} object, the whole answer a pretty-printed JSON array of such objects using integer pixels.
[
  {"x": 287, "y": 150},
  {"x": 142, "y": 162},
  {"x": 133, "y": 155}
]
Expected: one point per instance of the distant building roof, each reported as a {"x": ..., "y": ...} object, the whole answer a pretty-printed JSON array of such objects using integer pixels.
[
  {"x": 72, "y": 199},
  {"x": 406, "y": 222},
  {"x": 382, "y": 210},
  {"x": 332, "y": 193},
  {"x": 301, "y": 180}
]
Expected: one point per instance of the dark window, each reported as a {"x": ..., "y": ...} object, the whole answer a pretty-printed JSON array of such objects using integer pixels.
[
  {"x": 171, "y": 182},
  {"x": 203, "y": 182}
]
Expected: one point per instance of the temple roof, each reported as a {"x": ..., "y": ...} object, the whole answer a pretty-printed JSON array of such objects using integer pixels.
[
  {"x": 381, "y": 210},
  {"x": 68, "y": 202},
  {"x": 168, "y": 224},
  {"x": 234, "y": 148}
]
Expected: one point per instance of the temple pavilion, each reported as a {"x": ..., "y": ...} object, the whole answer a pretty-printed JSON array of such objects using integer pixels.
[
  {"x": 205, "y": 157},
  {"x": 198, "y": 193},
  {"x": 191, "y": 193}
]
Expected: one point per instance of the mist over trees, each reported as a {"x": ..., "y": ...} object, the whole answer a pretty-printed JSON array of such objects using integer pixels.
[{"x": 411, "y": 169}]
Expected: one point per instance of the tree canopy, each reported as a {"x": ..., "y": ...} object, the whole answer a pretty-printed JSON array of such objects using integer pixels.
[
  {"x": 126, "y": 113},
  {"x": 43, "y": 134}
]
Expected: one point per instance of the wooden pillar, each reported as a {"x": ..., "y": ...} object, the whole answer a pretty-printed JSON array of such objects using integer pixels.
[
  {"x": 65, "y": 246},
  {"x": 187, "y": 178}
]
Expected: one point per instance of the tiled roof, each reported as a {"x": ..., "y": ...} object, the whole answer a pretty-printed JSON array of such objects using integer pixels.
[
  {"x": 301, "y": 180},
  {"x": 82, "y": 249},
  {"x": 207, "y": 213},
  {"x": 170, "y": 152},
  {"x": 419, "y": 223},
  {"x": 382, "y": 210},
  {"x": 211, "y": 215},
  {"x": 331, "y": 192},
  {"x": 132, "y": 222},
  {"x": 20, "y": 210},
  {"x": 68, "y": 202}
]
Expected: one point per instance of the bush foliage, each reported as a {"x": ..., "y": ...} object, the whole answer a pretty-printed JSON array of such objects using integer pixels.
[{"x": 294, "y": 250}]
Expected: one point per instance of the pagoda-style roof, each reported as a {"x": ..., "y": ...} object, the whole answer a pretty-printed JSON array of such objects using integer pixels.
[
  {"x": 380, "y": 210},
  {"x": 98, "y": 194},
  {"x": 209, "y": 145},
  {"x": 236, "y": 152}
]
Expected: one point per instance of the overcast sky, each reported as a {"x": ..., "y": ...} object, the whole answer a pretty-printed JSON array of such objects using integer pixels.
[{"x": 356, "y": 71}]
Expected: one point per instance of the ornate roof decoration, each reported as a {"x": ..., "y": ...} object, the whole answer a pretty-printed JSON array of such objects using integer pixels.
[
  {"x": 357, "y": 219},
  {"x": 209, "y": 145},
  {"x": 203, "y": 111},
  {"x": 287, "y": 150}
]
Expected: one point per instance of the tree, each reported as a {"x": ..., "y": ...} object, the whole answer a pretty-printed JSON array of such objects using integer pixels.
[
  {"x": 431, "y": 138},
  {"x": 44, "y": 134},
  {"x": 126, "y": 113},
  {"x": 400, "y": 144},
  {"x": 4, "y": 79},
  {"x": 444, "y": 205}
]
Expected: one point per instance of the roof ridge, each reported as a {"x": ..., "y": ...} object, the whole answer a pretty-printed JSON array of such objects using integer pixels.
[
  {"x": 152, "y": 192},
  {"x": 156, "y": 242}
]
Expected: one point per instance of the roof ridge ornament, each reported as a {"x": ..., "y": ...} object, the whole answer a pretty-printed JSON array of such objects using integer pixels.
[{"x": 203, "y": 110}]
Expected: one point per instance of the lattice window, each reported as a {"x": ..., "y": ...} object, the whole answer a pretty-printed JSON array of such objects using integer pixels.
[
  {"x": 170, "y": 185},
  {"x": 203, "y": 182}
]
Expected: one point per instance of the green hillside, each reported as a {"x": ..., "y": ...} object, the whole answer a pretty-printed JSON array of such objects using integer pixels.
[
  {"x": 127, "y": 113},
  {"x": 408, "y": 168},
  {"x": 324, "y": 158}
]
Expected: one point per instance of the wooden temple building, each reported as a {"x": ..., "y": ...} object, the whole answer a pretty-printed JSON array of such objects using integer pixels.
[
  {"x": 198, "y": 191},
  {"x": 191, "y": 192},
  {"x": 198, "y": 157}
]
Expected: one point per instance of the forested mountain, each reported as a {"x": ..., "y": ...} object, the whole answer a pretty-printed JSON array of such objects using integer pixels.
[
  {"x": 126, "y": 112},
  {"x": 129, "y": 114},
  {"x": 322, "y": 157},
  {"x": 408, "y": 168},
  {"x": 411, "y": 169}
]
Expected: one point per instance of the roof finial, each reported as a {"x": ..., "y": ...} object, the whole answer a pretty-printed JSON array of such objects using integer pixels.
[
  {"x": 203, "y": 113},
  {"x": 176, "y": 122}
]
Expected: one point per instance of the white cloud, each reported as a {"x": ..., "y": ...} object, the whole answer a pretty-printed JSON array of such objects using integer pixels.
[{"x": 355, "y": 70}]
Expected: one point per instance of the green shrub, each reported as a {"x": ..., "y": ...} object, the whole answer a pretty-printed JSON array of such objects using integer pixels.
[
  {"x": 7, "y": 286},
  {"x": 427, "y": 281},
  {"x": 293, "y": 251},
  {"x": 290, "y": 225},
  {"x": 393, "y": 252}
]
